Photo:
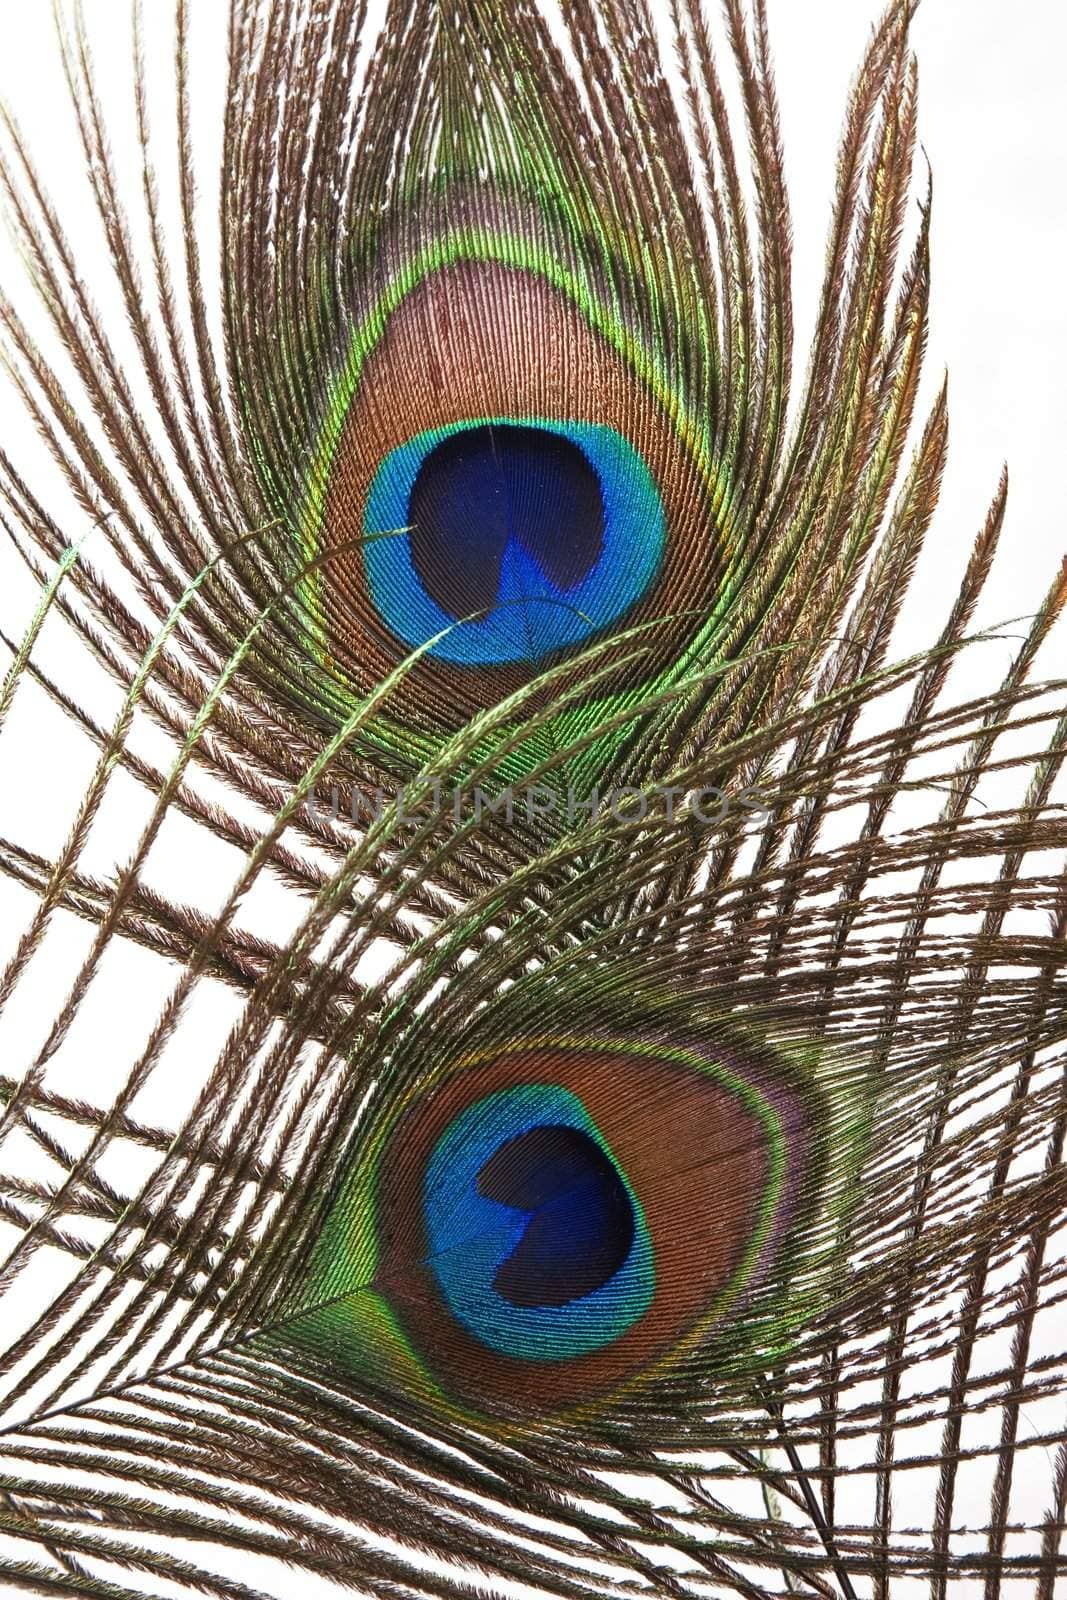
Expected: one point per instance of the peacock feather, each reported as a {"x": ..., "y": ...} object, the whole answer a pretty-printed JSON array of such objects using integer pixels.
[{"x": 534, "y": 1042}]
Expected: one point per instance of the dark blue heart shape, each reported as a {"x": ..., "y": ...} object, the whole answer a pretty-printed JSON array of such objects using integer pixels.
[
  {"x": 485, "y": 486},
  {"x": 581, "y": 1223}
]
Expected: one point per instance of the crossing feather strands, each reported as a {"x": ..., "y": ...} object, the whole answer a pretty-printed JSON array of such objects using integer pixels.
[{"x": 587, "y": 1116}]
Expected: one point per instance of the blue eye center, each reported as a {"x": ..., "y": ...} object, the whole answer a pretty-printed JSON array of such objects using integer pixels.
[
  {"x": 581, "y": 1223},
  {"x": 535, "y": 1238},
  {"x": 495, "y": 540},
  {"x": 485, "y": 487}
]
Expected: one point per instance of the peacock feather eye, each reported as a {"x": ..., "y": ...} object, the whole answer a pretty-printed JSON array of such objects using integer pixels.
[
  {"x": 505, "y": 475},
  {"x": 526, "y": 1240}
]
